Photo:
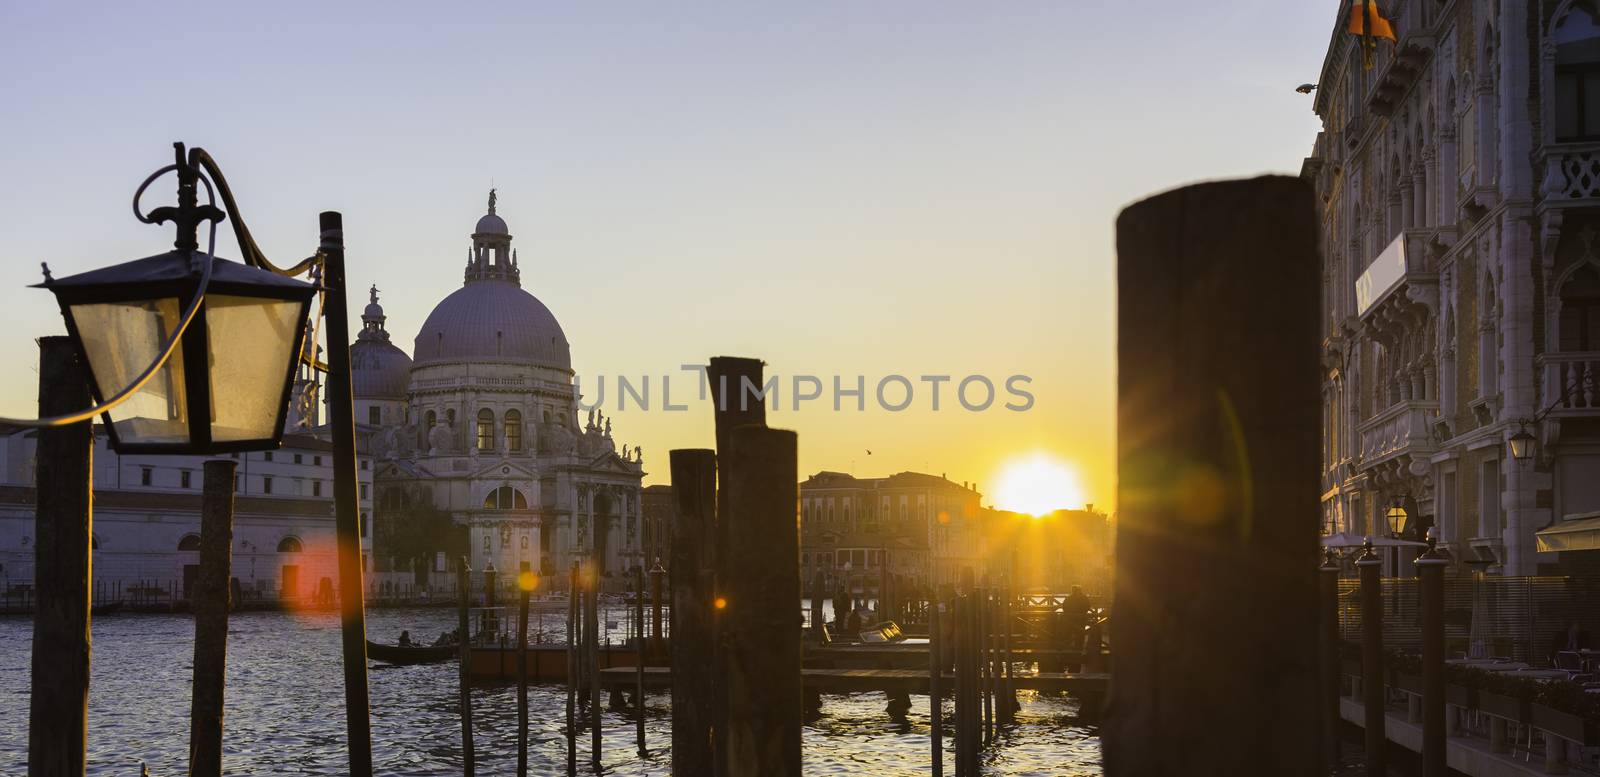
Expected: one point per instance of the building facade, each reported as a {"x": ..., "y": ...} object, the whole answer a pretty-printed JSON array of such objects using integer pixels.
[
  {"x": 907, "y": 525},
  {"x": 1459, "y": 182},
  {"x": 146, "y": 542},
  {"x": 481, "y": 447}
]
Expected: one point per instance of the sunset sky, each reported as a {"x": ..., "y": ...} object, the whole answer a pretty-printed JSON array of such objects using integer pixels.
[{"x": 839, "y": 188}]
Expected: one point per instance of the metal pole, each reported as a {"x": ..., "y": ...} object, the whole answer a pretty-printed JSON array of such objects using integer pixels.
[
  {"x": 1431, "y": 566},
  {"x": 464, "y": 658},
  {"x": 1372, "y": 660},
  {"x": 58, "y": 712},
  {"x": 657, "y": 574},
  {"x": 346, "y": 508},
  {"x": 211, "y": 619},
  {"x": 522, "y": 679}
]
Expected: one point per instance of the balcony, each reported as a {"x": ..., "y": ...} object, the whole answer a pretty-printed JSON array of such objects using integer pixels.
[
  {"x": 1571, "y": 172},
  {"x": 1402, "y": 430},
  {"x": 1570, "y": 382},
  {"x": 1410, "y": 60},
  {"x": 1398, "y": 289}
]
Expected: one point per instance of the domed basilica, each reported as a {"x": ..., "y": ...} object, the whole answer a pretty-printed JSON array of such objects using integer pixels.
[{"x": 477, "y": 441}]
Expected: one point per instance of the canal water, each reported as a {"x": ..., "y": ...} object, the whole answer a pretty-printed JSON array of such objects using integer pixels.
[{"x": 285, "y": 709}]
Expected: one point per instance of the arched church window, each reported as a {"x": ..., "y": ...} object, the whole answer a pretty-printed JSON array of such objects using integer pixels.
[
  {"x": 505, "y": 498},
  {"x": 547, "y": 415},
  {"x": 189, "y": 542},
  {"x": 433, "y": 419},
  {"x": 485, "y": 430},
  {"x": 450, "y": 417},
  {"x": 289, "y": 544},
  {"x": 1577, "y": 39},
  {"x": 514, "y": 430},
  {"x": 1580, "y": 311},
  {"x": 524, "y": 542}
]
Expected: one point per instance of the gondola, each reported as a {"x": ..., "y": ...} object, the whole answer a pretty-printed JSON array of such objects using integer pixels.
[{"x": 414, "y": 654}]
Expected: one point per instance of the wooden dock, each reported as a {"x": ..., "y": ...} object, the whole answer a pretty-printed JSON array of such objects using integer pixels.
[
  {"x": 890, "y": 680},
  {"x": 902, "y": 655}
]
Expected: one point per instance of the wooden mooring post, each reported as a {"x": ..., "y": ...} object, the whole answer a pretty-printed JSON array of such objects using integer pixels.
[
  {"x": 58, "y": 711},
  {"x": 1217, "y": 481},
  {"x": 464, "y": 599},
  {"x": 211, "y": 619},
  {"x": 572, "y": 670},
  {"x": 762, "y": 585},
  {"x": 935, "y": 683},
  {"x": 1430, "y": 567},
  {"x": 1369, "y": 566},
  {"x": 639, "y": 657},
  {"x": 591, "y": 657},
  {"x": 522, "y": 678},
  {"x": 1328, "y": 659},
  {"x": 693, "y": 580}
]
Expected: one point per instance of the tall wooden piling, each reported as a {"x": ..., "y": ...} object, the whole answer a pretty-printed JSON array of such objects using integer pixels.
[
  {"x": 936, "y": 645},
  {"x": 818, "y": 593},
  {"x": 58, "y": 711},
  {"x": 1217, "y": 481},
  {"x": 572, "y": 670},
  {"x": 1328, "y": 659},
  {"x": 464, "y": 600},
  {"x": 522, "y": 679},
  {"x": 985, "y": 664},
  {"x": 657, "y": 575},
  {"x": 1430, "y": 566},
  {"x": 694, "y": 492},
  {"x": 639, "y": 657},
  {"x": 762, "y": 585},
  {"x": 211, "y": 619},
  {"x": 1369, "y": 566},
  {"x": 736, "y": 383},
  {"x": 591, "y": 658}
]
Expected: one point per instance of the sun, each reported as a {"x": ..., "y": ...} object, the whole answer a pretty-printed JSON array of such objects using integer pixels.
[{"x": 1037, "y": 484}]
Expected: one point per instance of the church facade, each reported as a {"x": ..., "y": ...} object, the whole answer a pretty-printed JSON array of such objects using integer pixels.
[{"x": 480, "y": 445}]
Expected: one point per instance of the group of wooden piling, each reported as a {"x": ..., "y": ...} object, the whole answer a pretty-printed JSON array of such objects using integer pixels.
[
  {"x": 735, "y": 577},
  {"x": 985, "y": 695}
]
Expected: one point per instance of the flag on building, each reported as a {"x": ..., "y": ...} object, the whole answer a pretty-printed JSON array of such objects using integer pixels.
[{"x": 1369, "y": 23}]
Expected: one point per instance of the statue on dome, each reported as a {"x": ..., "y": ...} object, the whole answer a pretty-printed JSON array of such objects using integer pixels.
[
  {"x": 608, "y": 427},
  {"x": 491, "y": 199},
  {"x": 374, "y": 293}
]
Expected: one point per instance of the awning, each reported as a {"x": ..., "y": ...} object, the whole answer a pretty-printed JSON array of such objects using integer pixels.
[{"x": 1575, "y": 532}]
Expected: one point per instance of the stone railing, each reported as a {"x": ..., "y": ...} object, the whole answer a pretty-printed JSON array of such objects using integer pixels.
[
  {"x": 1571, "y": 171},
  {"x": 1570, "y": 380},
  {"x": 1400, "y": 429}
]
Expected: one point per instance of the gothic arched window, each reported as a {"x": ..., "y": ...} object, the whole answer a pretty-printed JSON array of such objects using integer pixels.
[
  {"x": 514, "y": 430},
  {"x": 1580, "y": 311},
  {"x": 485, "y": 430},
  {"x": 433, "y": 419},
  {"x": 189, "y": 542},
  {"x": 290, "y": 545},
  {"x": 1577, "y": 39}
]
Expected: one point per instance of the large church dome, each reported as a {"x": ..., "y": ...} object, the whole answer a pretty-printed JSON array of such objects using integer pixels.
[{"x": 491, "y": 318}]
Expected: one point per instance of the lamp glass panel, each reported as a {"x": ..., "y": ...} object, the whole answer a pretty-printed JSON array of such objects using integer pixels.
[
  {"x": 251, "y": 341},
  {"x": 121, "y": 339}
]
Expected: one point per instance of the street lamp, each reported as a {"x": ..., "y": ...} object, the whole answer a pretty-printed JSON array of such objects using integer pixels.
[
  {"x": 1523, "y": 445},
  {"x": 195, "y": 353}
]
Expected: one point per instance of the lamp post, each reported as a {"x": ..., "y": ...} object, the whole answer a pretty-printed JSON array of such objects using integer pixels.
[{"x": 188, "y": 353}]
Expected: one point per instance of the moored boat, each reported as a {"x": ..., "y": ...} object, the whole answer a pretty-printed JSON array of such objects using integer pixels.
[{"x": 411, "y": 654}]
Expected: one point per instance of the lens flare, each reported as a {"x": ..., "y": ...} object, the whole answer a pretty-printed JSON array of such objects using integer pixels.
[{"x": 1037, "y": 484}]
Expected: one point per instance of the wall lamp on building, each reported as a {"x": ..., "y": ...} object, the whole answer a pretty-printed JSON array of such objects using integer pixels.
[
  {"x": 1524, "y": 445},
  {"x": 186, "y": 352},
  {"x": 1396, "y": 518}
]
